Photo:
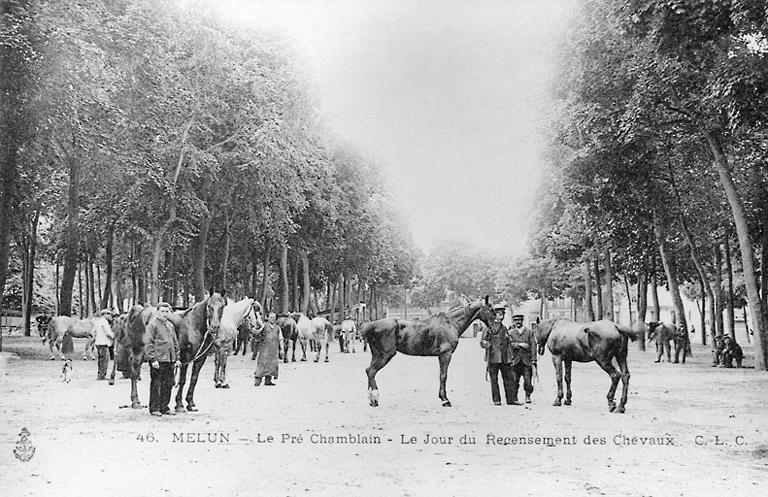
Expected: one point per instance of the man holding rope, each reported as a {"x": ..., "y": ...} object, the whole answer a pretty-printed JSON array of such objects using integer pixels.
[
  {"x": 162, "y": 353},
  {"x": 523, "y": 345}
]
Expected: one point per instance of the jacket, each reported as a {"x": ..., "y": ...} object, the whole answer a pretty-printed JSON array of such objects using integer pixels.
[
  {"x": 496, "y": 344},
  {"x": 522, "y": 335},
  {"x": 102, "y": 331},
  {"x": 163, "y": 345}
]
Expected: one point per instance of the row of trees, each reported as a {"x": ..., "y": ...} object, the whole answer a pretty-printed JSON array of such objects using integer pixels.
[
  {"x": 658, "y": 158},
  {"x": 150, "y": 151}
]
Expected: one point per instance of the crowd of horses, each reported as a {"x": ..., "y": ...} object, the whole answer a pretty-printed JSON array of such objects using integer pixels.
[{"x": 216, "y": 326}]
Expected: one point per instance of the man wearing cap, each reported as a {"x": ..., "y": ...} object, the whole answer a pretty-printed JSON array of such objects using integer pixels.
[
  {"x": 498, "y": 356},
  {"x": 162, "y": 352},
  {"x": 104, "y": 337},
  {"x": 523, "y": 347}
]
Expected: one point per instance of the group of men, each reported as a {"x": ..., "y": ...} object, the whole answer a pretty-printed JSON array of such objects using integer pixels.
[{"x": 511, "y": 351}]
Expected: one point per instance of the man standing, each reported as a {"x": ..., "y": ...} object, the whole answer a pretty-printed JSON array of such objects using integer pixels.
[
  {"x": 523, "y": 346},
  {"x": 268, "y": 352},
  {"x": 104, "y": 337},
  {"x": 349, "y": 330},
  {"x": 498, "y": 356},
  {"x": 162, "y": 352}
]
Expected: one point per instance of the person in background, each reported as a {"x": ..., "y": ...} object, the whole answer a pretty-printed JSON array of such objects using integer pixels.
[
  {"x": 268, "y": 358},
  {"x": 104, "y": 342}
]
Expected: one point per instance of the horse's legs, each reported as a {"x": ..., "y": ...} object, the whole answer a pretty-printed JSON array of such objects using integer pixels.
[
  {"x": 669, "y": 350},
  {"x": 378, "y": 361},
  {"x": 608, "y": 367},
  {"x": 216, "y": 369},
  {"x": 568, "y": 393},
  {"x": 114, "y": 367},
  {"x": 624, "y": 383},
  {"x": 445, "y": 361},
  {"x": 179, "y": 391},
  {"x": 326, "y": 342},
  {"x": 557, "y": 361},
  {"x": 318, "y": 349},
  {"x": 223, "y": 374},
  {"x": 303, "y": 343},
  {"x": 659, "y": 350},
  {"x": 196, "y": 366},
  {"x": 135, "y": 373}
]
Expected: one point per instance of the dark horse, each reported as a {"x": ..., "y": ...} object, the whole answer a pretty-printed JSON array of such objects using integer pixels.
[
  {"x": 437, "y": 336},
  {"x": 599, "y": 341},
  {"x": 290, "y": 334},
  {"x": 197, "y": 333}
]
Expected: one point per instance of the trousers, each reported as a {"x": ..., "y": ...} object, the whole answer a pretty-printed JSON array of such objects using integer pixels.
[
  {"x": 506, "y": 378},
  {"x": 103, "y": 361},
  {"x": 160, "y": 385},
  {"x": 518, "y": 370}
]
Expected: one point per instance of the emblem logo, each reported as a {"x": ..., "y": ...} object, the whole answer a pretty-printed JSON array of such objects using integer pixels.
[{"x": 24, "y": 449}]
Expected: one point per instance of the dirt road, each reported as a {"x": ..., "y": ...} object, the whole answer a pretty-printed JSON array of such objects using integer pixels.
[{"x": 707, "y": 426}]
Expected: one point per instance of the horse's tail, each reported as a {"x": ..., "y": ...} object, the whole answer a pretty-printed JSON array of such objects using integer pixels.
[
  {"x": 626, "y": 332},
  {"x": 67, "y": 344}
]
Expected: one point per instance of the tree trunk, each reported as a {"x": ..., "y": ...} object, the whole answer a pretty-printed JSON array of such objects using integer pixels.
[
  {"x": 642, "y": 305},
  {"x": 669, "y": 270},
  {"x": 306, "y": 284},
  {"x": 227, "y": 241},
  {"x": 756, "y": 306},
  {"x": 718, "y": 289},
  {"x": 91, "y": 284},
  {"x": 265, "y": 272},
  {"x": 255, "y": 276},
  {"x": 598, "y": 288},
  {"x": 655, "y": 292},
  {"x": 629, "y": 301},
  {"x": 296, "y": 290},
  {"x": 107, "y": 300},
  {"x": 588, "y": 291},
  {"x": 609, "y": 282},
  {"x": 746, "y": 324},
  {"x": 80, "y": 308},
  {"x": 763, "y": 270},
  {"x": 201, "y": 242},
  {"x": 284, "y": 295},
  {"x": 730, "y": 317},
  {"x": 72, "y": 240},
  {"x": 704, "y": 301},
  {"x": 28, "y": 289}
]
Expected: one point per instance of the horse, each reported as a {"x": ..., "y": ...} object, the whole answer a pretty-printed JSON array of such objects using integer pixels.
[
  {"x": 73, "y": 327},
  {"x": 197, "y": 333},
  {"x": 245, "y": 311},
  {"x": 599, "y": 341},
  {"x": 664, "y": 333},
  {"x": 437, "y": 336},
  {"x": 42, "y": 325},
  {"x": 119, "y": 327},
  {"x": 243, "y": 338},
  {"x": 130, "y": 342},
  {"x": 290, "y": 334},
  {"x": 317, "y": 330},
  {"x": 349, "y": 329}
]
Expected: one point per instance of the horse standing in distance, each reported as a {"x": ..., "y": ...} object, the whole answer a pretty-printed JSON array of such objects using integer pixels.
[
  {"x": 197, "y": 333},
  {"x": 664, "y": 334},
  {"x": 289, "y": 333},
  {"x": 599, "y": 341},
  {"x": 246, "y": 311},
  {"x": 437, "y": 336},
  {"x": 73, "y": 327}
]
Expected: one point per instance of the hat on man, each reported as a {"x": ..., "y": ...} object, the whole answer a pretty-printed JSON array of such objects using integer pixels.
[
  {"x": 499, "y": 308},
  {"x": 518, "y": 317},
  {"x": 164, "y": 304},
  {"x": 105, "y": 311}
]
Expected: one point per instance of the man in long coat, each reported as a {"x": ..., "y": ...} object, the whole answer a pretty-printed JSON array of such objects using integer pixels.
[
  {"x": 498, "y": 356},
  {"x": 268, "y": 357}
]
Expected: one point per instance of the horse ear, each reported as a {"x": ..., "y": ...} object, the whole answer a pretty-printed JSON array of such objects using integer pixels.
[
  {"x": 538, "y": 320},
  {"x": 223, "y": 293},
  {"x": 210, "y": 291},
  {"x": 486, "y": 301}
]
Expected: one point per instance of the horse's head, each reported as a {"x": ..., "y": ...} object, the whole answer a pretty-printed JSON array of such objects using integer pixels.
[
  {"x": 214, "y": 308},
  {"x": 42, "y": 325},
  {"x": 541, "y": 332},
  {"x": 258, "y": 314},
  {"x": 483, "y": 311}
]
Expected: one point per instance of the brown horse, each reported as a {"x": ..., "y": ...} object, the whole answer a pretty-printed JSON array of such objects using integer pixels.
[
  {"x": 74, "y": 327},
  {"x": 197, "y": 333},
  {"x": 290, "y": 334},
  {"x": 599, "y": 341},
  {"x": 437, "y": 336}
]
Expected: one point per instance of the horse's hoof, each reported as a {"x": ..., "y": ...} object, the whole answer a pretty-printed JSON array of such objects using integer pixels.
[
  {"x": 374, "y": 403},
  {"x": 111, "y": 381},
  {"x": 217, "y": 385},
  {"x": 447, "y": 403},
  {"x": 303, "y": 360},
  {"x": 191, "y": 408},
  {"x": 52, "y": 358},
  {"x": 225, "y": 386},
  {"x": 567, "y": 402},
  {"x": 136, "y": 405},
  {"x": 293, "y": 360},
  {"x": 611, "y": 407},
  {"x": 327, "y": 360},
  {"x": 620, "y": 410},
  {"x": 557, "y": 403}
]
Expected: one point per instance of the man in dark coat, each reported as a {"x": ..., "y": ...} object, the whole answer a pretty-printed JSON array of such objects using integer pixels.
[
  {"x": 523, "y": 346},
  {"x": 162, "y": 353},
  {"x": 498, "y": 356},
  {"x": 268, "y": 358}
]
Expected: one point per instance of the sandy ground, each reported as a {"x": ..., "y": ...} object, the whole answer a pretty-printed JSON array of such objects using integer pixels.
[{"x": 86, "y": 444}]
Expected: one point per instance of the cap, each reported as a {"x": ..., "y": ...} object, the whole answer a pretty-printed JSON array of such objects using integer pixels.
[
  {"x": 164, "y": 304},
  {"x": 518, "y": 317},
  {"x": 105, "y": 311},
  {"x": 499, "y": 307}
]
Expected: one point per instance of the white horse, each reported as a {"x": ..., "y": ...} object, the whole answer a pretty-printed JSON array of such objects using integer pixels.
[
  {"x": 349, "y": 331},
  {"x": 318, "y": 329},
  {"x": 60, "y": 326},
  {"x": 234, "y": 314}
]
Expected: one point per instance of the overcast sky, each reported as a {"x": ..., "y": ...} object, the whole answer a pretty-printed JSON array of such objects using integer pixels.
[{"x": 449, "y": 96}]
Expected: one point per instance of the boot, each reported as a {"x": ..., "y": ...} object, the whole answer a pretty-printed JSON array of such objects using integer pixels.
[
  {"x": 256, "y": 381},
  {"x": 268, "y": 382},
  {"x": 527, "y": 398}
]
